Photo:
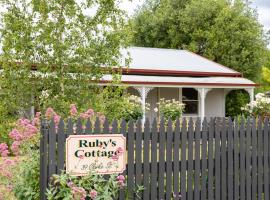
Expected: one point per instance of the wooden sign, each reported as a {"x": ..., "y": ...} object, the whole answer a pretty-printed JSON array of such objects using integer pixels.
[{"x": 103, "y": 154}]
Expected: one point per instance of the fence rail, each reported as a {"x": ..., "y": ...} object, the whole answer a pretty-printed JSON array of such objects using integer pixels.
[{"x": 215, "y": 159}]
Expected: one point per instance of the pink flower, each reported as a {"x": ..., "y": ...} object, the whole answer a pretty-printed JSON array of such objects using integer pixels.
[
  {"x": 15, "y": 147},
  {"x": 3, "y": 147},
  {"x": 121, "y": 177},
  {"x": 121, "y": 180},
  {"x": 115, "y": 157},
  {"x": 78, "y": 193},
  {"x": 4, "y": 150},
  {"x": 70, "y": 184},
  {"x": 49, "y": 113},
  {"x": 38, "y": 114},
  {"x": 102, "y": 119},
  {"x": 84, "y": 116},
  {"x": 56, "y": 119},
  {"x": 90, "y": 112},
  {"x": 8, "y": 162},
  {"x": 36, "y": 121},
  {"x": 5, "y": 153},
  {"x": 73, "y": 110},
  {"x": 93, "y": 194},
  {"x": 121, "y": 183},
  {"x": 119, "y": 151},
  {"x": 15, "y": 135}
]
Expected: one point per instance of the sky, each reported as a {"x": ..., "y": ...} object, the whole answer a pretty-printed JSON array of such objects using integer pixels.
[{"x": 262, "y": 6}]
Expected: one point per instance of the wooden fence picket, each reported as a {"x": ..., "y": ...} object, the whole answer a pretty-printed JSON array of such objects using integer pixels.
[
  {"x": 190, "y": 176},
  {"x": 97, "y": 126},
  {"x": 43, "y": 158},
  {"x": 169, "y": 147},
  {"x": 209, "y": 159},
  {"x": 161, "y": 160},
  {"x": 154, "y": 166},
  {"x": 176, "y": 159},
  {"x": 217, "y": 160},
  {"x": 61, "y": 143},
  {"x": 130, "y": 169},
  {"x": 266, "y": 159},
  {"x": 138, "y": 153},
  {"x": 242, "y": 160},
  {"x": 248, "y": 159},
  {"x": 254, "y": 160},
  {"x": 183, "y": 177},
  {"x": 52, "y": 151},
  {"x": 236, "y": 160},
  {"x": 223, "y": 160},
  {"x": 123, "y": 131},
  {"x": 204, "y": 160},
  {"x": 146, "y": 163},
  {"x": 260, "y": 164},
  {"x": 230, "y": 159},
  {"x": 88, "y": 127},
  {"x": 197, "y": 160}
]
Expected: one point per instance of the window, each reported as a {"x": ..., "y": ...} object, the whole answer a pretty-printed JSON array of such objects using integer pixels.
[{"x": 190, "y": 99}]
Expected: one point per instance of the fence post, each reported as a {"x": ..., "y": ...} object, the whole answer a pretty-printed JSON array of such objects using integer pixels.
[{"x": 44, "y": 130}]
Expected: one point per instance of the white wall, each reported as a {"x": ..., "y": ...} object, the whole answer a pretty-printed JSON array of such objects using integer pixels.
[{"x": 215, "y": 103}]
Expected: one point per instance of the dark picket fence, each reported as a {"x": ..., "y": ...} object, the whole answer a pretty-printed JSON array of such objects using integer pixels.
[{"x": 216, "y": 159}]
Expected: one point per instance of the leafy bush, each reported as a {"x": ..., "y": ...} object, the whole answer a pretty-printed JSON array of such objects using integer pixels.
[
  {"x": 259, "y": 107},
  {"x": 170, "y": 108},
  {"x": 235, "y": 100},
  {"x": 26, "y": 185},
  {"x": 6, "y": 123},
  {"x": 92, "y": 186},
  {"x": 23, "y": 175}
]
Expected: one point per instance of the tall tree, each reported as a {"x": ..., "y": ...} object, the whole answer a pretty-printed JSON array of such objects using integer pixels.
[
  {"x": 225, "y": 31},
  {"x": 52, "y": 50}
]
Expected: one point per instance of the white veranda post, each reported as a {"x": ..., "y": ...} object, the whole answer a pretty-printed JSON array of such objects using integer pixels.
[
  {"x": 143, "y": 93},
  {"x": 251, "y": 93},
  {"x": 203, "y": 92}
]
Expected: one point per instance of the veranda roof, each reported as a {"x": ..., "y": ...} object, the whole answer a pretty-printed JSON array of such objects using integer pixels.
[
  {"x": 169, "y": 81},
  {"x": 158, "y": 61}
]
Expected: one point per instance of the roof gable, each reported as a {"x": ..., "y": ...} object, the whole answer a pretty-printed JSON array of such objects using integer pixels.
[{"x": 157, "y": 61}]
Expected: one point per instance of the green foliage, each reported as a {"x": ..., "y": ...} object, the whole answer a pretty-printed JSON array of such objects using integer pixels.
[
  {"x": 26, "y": 185},
  {"x": 225, "y": 32},
  {"x": 52, "y": 51},
  {"x": 259, "y": 107},
  {"x": 235, "y": 100},
  {"x": 170, "y": 109},
  {"x": 64, "y": 186},
  {"x": 114, "y": 103},
  {"x": 6, "y": 123},
  {"x": 265, "y": 80}
]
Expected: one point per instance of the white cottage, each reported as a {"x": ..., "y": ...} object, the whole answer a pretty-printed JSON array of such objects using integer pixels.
[{"x": 200, "y": 83}]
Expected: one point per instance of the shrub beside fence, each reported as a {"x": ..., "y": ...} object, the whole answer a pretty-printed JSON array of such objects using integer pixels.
[{"x": 216, "y": 159}]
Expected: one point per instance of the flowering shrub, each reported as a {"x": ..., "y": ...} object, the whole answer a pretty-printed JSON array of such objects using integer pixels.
[
  {"x": 92, "y": 186},
  {"x": 133, "y": 108},
  {"x": 170, "y": 108},
  {"x": 259, "y": 107},
  {"x": 22, "y": 175}
]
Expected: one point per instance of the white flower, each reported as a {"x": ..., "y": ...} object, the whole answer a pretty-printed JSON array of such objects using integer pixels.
[
  {"x": 259, "y": 95},
  {"x": 45, "y": 94},
  {"x": 156, "y": 109}
]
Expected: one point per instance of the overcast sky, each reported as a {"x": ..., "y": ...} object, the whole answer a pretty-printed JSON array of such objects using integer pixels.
[{"x": 263, "y": 7}]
